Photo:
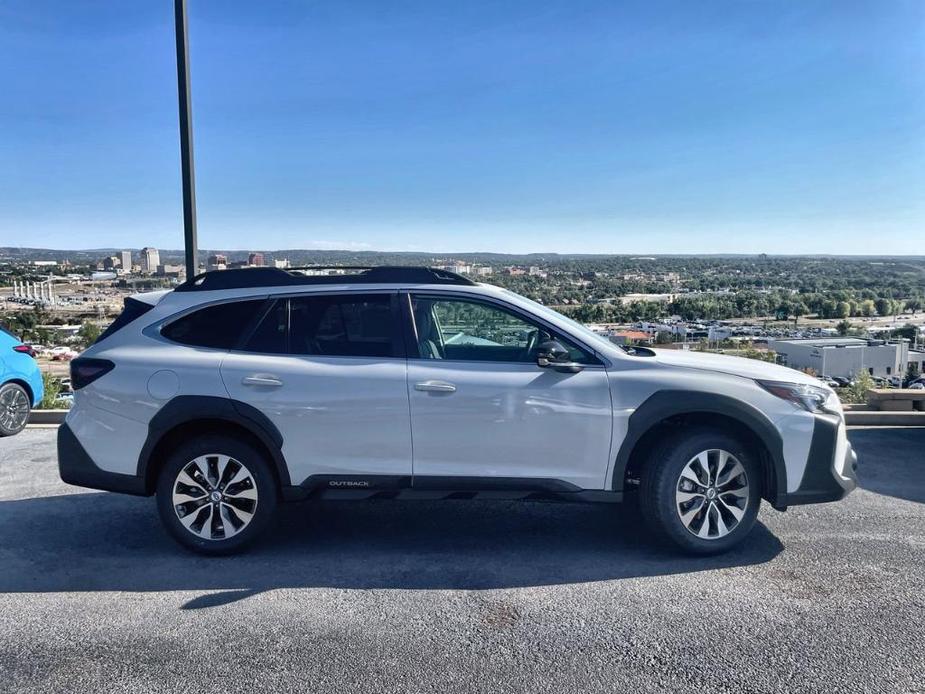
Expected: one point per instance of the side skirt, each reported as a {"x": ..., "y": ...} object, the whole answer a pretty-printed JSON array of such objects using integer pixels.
[{"x": 360, "y": 487}]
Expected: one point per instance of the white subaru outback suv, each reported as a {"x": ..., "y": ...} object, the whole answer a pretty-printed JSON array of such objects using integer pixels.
[{"x": 243, "y": 388}]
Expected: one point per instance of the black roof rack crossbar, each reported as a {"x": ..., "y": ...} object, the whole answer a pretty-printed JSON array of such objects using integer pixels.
[{"x": 242, "y": 278}]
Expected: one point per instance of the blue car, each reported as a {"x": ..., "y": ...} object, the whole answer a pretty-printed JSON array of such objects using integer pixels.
[{"x": 20, "y": 383}]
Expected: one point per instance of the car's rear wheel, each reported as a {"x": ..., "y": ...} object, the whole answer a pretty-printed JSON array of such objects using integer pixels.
[
  {"x": 701, "y": 490},
  {"x": 14, "y": 409},
  {"x": 216, "y": 494}
]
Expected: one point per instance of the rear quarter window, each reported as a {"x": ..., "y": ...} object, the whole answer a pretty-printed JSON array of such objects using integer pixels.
[{"x": 220, "y": 326}]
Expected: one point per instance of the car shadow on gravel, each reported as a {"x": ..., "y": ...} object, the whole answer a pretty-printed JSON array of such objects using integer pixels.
[{"x": 107, "y": 542}]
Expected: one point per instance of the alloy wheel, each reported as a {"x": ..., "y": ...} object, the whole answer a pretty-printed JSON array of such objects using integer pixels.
[
  {"x": 712, "y": 494},
  {"x": 215, "y": 496},
  {"x": 14, "y": 409}
]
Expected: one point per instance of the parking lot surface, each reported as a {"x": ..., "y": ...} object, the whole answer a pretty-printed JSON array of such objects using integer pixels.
[{"x": 421, "y": 596}]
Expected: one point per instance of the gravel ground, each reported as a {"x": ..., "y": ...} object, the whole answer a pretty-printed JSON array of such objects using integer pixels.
[{"x": 423, "y": 596}]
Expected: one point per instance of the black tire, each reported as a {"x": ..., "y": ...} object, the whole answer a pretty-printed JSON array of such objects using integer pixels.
[
  {"x": 259, "y": 479},
  {"x": 661, "y": 480},
  {"x": 13, "y": 397}
]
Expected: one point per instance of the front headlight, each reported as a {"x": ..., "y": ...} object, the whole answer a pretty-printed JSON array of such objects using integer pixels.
[{"x": 810, "y": 398}]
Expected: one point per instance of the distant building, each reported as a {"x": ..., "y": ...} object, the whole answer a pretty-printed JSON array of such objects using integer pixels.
[
  {"x": 676, "y": 328},
  {"x": 630, "y": 337},
  {"x": 844, "y": 356},
  {"x": 718, "y": 333},
  {"x": 110, "y": 263},
  {"x": 217, "y": 261},
  {"x": 61, "y": 332},
  {"x": 170, "y": 270},
  {"x": 917, "y": 359},
  {"x": 125, "y": 259},
  {"x": 150, "y": 259},
  {"x": 656, "y": 298},
  {"x": 255, "y": 259}
]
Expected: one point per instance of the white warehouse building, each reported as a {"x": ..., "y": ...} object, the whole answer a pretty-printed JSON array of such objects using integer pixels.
[{"x": 844, "y": 356}]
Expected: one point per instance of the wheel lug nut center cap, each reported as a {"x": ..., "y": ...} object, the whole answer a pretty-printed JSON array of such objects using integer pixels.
[
  {"x": 216, "y": 496},
  {"x": 711, "y": 493}
]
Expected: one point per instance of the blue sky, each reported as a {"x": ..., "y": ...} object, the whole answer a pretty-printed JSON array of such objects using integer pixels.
[{"x": 605, "y": 127}]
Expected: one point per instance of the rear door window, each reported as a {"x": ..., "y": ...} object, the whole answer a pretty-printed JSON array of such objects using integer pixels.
[
  {"x": 346, "y": 325},
  {"x": 271, "y": 334}
]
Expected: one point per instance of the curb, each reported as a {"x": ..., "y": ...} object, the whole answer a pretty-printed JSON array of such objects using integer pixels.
[
  {"x": 47, "y": 416},
  {"x": 874, "y": 418}
]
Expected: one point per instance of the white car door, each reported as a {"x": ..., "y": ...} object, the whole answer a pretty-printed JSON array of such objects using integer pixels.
[
  {"x": 329, "y": 371},
  {"x": 481, "y": 406}
]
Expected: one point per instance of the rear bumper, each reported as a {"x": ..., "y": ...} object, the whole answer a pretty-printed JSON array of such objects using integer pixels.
[
  {"x": 831, "y": 466},
  {"x": 77, "y": 467}
]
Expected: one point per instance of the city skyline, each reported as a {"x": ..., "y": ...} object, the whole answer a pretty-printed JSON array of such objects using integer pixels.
[
  {"x": 631, "y": 129},
  {"x": 23, "y": 251}
]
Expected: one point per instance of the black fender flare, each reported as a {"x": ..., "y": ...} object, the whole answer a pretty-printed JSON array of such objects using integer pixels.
[
  {"x": 187, "y": 408},
  {"x": 664, "y": 404}
]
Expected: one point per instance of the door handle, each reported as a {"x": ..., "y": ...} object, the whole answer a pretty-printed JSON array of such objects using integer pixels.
[
  {"x": 261, "y": 380},
  {"x": 435, "y": 387}
]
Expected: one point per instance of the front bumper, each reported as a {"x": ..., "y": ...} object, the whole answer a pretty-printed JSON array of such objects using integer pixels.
[
  {"x": 831, "y": 466},
  {"x": 77, "y": 467}
]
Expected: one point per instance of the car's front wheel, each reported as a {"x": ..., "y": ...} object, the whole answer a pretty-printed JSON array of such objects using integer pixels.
[
  {"x": 701, "y": 490},
  {"x": 14, "y": 409},
  {"x": 215, "y": 494}
]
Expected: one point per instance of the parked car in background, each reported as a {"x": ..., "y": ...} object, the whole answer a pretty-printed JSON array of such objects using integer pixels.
[
  {"x": 20, "y": 383},
  {"x": 63, "y": 354},
  {"x": 242, "y": 388}
]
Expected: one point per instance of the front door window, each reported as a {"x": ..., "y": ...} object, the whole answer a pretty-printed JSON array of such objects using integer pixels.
[{"x": 465, "y": 330}]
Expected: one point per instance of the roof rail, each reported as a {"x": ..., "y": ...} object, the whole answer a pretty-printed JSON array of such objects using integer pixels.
[{"x": 240, "y": 278}]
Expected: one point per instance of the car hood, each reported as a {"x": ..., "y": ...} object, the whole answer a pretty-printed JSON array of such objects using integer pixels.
[{"x": 737, "y": 366}]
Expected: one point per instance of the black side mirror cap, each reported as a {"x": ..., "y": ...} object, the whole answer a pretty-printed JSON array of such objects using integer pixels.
[{"x": 553, "y": 354}]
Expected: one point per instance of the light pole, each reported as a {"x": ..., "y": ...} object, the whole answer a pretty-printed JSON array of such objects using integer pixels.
[{"x": 186, "y": 139}]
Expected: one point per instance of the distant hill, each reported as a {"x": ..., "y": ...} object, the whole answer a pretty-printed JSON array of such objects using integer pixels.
[{"x": 299, "y": 256}]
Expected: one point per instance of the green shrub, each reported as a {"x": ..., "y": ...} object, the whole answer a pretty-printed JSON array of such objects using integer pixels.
[
  {"x": 51, "y": 386},
  {"x": 857, "y": 393}
]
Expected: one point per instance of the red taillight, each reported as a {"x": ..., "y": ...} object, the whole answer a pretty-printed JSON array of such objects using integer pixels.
[
  {"x": 25, "y": 349},
  {"x": 85, "y": 370}
]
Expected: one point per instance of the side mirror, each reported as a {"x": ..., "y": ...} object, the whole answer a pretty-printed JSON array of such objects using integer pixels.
[{"x": 553, "y": 354}]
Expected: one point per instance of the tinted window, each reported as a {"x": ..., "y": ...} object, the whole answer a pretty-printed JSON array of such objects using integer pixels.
[
  {"x": 218, "y": 326},
  {"x": 477, "y": 331},
  {"x": 270, "y": 335},
  {"x": 347, "y": 326}
]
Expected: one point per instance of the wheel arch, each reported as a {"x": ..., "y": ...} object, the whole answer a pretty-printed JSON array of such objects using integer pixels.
[
  {"x": 668, "y": 411},
  {"x": 187, "y": 416}
]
